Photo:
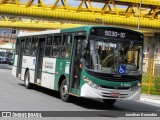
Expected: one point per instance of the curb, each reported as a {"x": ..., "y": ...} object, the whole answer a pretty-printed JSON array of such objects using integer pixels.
[{"x": 150, "y": 100}]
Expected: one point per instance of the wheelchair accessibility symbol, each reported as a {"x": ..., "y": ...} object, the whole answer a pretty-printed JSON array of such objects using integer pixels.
[{"x": 121, "y": 69}]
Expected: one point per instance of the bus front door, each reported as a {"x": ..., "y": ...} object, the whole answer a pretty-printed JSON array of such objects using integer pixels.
[
  {"x": 20, "y": 56},
  {"x": 39, "y": 60},
  {"x": 76, "y": 65}
]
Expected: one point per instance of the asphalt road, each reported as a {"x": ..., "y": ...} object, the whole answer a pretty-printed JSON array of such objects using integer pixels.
[{"x": 15, "y": 97}]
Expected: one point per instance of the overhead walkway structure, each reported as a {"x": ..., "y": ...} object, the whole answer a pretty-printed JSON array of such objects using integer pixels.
[
  {"x": 144, "y": 12},
  {"x": 25, "y": 24}
]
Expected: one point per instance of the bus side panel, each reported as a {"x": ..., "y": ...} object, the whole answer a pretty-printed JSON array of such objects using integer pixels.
[
  {"x": 14, "y": 68},
  {"x": 61, "y": 69},
  {"x": 48, "y": 80},
  {"x": 32, "y": 73},
  {"x": 15, "y": 60},
  {"x": 23, "y": 73},
  {"x": 48, "y": 73},
  {"x": 28, "y": 62}
]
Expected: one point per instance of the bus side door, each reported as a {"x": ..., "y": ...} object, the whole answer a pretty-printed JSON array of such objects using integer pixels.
[
  {"x": 20, "y": 56},
  {"x": 39, "y": 59},
  {"x": 76, "y": 65}
]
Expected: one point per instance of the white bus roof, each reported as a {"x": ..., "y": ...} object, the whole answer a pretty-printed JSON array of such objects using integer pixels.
[{"x": 38, "y": 33}]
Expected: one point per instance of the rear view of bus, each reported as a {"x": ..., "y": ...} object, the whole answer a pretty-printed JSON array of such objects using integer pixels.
[{"x": 112, "y": 66}]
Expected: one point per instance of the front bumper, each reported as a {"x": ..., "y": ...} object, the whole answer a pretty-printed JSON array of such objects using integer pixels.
[{"x": 104, "y": 93}]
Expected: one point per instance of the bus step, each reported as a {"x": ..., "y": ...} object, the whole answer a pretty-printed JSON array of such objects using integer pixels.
[{"x": 37, "y": 83}]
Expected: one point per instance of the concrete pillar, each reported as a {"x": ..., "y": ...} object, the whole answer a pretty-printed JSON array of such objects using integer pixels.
[
  {"x": 156, "y": 68},
  {"x": 152, "y": 42}
]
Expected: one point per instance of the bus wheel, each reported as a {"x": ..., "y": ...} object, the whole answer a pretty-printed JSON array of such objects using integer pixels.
[
  {"x": 64, "y": 91},
  {"x": 109, "y": 101},
  {"x": 27, "y": 80}
]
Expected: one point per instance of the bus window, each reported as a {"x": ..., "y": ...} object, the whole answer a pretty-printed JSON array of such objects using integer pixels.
[
  {"x": 34, "y": 45},
  {"x": 56, "y": 46},
  {"x": 48, "y": 46},
  {"x": 55, "y": 51},
  {"x": 66, "y": 46},
  {"x": 67, "y": 40},
  {"x": 27, "y": 46},
  {"x": 49, "y": 40},
  {"x": 57, "y": 40}
]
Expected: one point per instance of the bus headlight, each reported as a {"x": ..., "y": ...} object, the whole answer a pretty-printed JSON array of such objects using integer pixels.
[
  {"x": 136, "y": 87},
  {"x": 138, "y": 84},
  {"x": 86, "y": 79},
  {"x": 90, "y": 83}
]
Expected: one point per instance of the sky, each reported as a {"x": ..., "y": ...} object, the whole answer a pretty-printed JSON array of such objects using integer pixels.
[{"x": 70, "y": 2}]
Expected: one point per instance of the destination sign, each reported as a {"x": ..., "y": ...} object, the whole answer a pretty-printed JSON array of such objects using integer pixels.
[{"x": 116, "y": 33}]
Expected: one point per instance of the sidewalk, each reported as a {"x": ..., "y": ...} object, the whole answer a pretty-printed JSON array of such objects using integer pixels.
[{"x": 150, "y": 98}]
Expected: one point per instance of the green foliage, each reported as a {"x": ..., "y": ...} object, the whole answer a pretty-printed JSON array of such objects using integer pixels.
[
  {"x": 155, "y": 89},
  {"x": 145, "y": 78},
  {"x": 152, "y": 90},
  {"x": 157, "y": 84}
]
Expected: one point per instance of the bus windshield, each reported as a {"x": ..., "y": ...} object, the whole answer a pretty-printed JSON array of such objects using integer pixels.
[{"x": 106, "y": 55}]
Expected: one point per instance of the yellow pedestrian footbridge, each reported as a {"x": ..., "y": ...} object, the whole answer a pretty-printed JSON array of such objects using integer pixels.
[{"x": 107, "y": 12}]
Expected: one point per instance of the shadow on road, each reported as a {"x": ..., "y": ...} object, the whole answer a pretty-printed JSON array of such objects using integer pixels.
[
  {"x": 44, "y": 90},
  {"x": 120, "y": 105}
]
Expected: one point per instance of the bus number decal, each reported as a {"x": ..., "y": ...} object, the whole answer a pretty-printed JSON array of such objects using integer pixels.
[
  {"x": 125, "y": 85},
  {"x": 115, "y": 34}
]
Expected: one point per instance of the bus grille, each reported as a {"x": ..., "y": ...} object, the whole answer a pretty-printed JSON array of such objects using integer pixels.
[
  {"x": 114, "y": 78},
  {"x": 119, "y": 88}
]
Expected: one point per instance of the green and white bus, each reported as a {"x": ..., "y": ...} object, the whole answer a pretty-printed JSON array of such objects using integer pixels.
[{"x": 88, "y": 61}]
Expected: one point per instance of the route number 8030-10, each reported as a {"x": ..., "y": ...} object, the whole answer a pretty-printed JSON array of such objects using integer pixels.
[{"x": 115, "y": 34}]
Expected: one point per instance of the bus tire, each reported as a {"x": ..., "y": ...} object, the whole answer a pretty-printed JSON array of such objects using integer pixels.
[
  {"x": 109, "y": 101},
  {"x": 27, "y": 80},
  {"x": 64, "y": 91}
]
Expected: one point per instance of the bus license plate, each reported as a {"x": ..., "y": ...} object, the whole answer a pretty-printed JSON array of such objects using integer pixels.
[{"x": 115, "y": 94}]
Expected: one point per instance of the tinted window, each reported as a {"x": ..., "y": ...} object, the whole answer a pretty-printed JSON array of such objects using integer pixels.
[
  {"x": 34, "y": 45},
  {"x": 49, "y": 40},
  {"x": 66, "y": 46},
  {"x": 27, "y": 46},
  {"x": 57, "y": 40},
  {"x": 49, "y": 46},
  {"x": 56, "y": 46},
  {"x": 55, "y": 51}
]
